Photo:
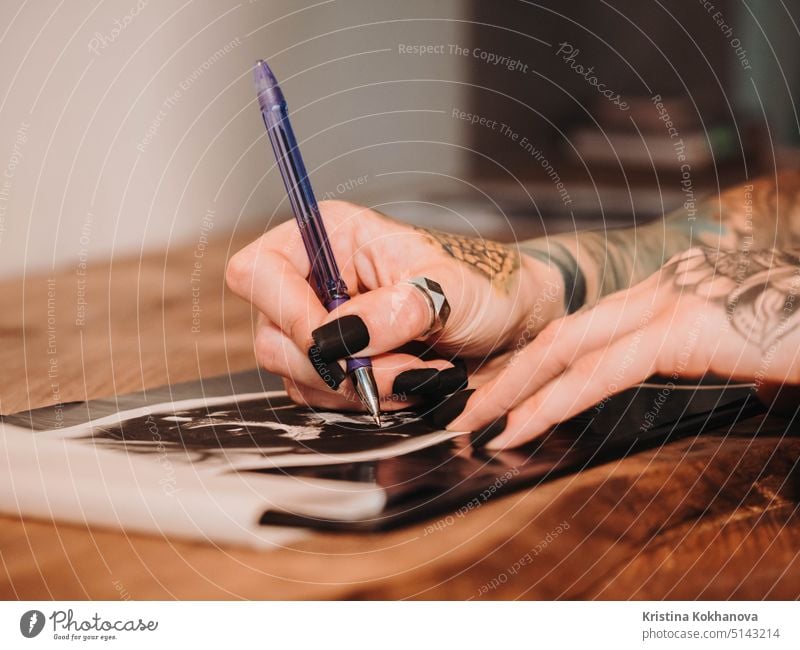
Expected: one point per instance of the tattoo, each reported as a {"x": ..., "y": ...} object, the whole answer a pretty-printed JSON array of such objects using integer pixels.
[
  {"x": 556, "y": 254},
  {"x": 758, "y": 289},
  {"x": 621, "y": 258},
  {"x": 491, "y": 259},
  {"x": 764, "y": 214}
]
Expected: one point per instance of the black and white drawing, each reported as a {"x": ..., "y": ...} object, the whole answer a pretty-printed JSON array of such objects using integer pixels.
[
  {"x": 220, "y": 466},
  {"x": 257, "y": 431}
]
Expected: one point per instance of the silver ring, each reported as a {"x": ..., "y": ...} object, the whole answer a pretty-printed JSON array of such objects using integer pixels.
[{"x": 437, "y": 303}]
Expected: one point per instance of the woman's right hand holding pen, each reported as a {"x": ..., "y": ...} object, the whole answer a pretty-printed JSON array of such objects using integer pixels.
[{"x": 498, "y": 299}]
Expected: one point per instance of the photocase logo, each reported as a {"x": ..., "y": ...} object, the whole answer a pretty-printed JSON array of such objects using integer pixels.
[{"x": 31, "y": 623}]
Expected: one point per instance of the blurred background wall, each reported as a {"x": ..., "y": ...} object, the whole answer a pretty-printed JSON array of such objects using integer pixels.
[{"x": 130, "y": 125}]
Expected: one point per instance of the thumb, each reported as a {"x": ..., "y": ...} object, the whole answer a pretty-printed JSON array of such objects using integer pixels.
[{"x": 378, "y": 321}]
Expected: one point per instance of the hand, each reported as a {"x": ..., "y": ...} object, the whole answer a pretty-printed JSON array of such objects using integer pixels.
[
  {"x": 492, "y": 292},
  {"x": 733, "y": 314}
]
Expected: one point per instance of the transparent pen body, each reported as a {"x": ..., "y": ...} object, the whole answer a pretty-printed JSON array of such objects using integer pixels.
[{"x": 325, "y": 275}]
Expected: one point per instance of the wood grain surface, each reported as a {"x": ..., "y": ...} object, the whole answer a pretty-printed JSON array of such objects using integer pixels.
[{"x": 713, "y": 517}]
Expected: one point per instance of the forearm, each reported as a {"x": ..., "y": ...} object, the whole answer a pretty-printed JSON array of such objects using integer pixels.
[{"x": 758, "y": 215}]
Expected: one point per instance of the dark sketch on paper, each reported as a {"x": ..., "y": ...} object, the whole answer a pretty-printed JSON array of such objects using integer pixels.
[{"x": 273, "y": 427}]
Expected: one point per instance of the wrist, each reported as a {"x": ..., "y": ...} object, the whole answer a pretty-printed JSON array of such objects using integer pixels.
[{"x": 543, "y": 293}]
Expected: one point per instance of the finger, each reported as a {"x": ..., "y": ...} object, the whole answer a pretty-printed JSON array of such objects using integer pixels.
[
  {"x": 284, "y": 240},
  {"x": 482, "y": 371},
  {"x": 374, "y": 322},
  {"x": 588, "y": 381},
  {"x": 278, "y": 354},
  {"x": 395, "y": 374},
  {"x": 552, "y": 352},
  {"x": 274, "y": 280}
]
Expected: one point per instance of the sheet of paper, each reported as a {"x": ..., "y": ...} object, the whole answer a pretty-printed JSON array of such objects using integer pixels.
[{"x": 180, "y": 468}]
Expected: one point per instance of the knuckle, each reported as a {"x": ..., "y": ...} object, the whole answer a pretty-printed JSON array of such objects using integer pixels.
[
  {"x": 239, "y": 270},
  {"x": 335, "y": 210},
  {"x": 504, "y": 400},
  {"x": 548, "y": 336},
  {"x": 503, "y": 395},
  {"x": 267, "y": 352},
  {"x": 296, "y": 327},
  {"x": 415, "y": 311},
  {"x": 293, "y": 391},
  {"x": 584, "y": 366}
]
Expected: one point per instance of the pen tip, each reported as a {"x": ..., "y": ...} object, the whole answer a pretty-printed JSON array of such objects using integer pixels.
[{"x": 367, "y": 391}]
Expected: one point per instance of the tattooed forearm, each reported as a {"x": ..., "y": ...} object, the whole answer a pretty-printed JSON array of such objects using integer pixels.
[
  {"x": 554, "y": 253},
  {"x": 491, "y": 259},
  {"x": 763, "y": 214},
  {"x": 605, "y": 261},
  {"x": 758, "y": 289}
]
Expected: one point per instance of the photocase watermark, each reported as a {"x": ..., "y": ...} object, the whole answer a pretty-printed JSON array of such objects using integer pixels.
[
  {"x": 743, "y": 257},
  {"x": 524, "y": 560},
  {"x": 66, "y": 626},
  {"x": 454, "y": 49},
  {"x": 81, "y": 268},
  {"x": 7, "y": 180},
  {"x": 472, "y": 504},
  {"x": 169, "y": 481},
  {"x": 747, "y": 206},
  {"x": 206, "y": 226},
  {"x": 347, "y": 392},
  {"x": 522, "y": 141},
  {"x": 122, "y": 592},
  {"x": 175, "y": 96},
  {"x": 101, "y": 41},
  {"x": 31, "y": 623},
  {"x": 569, "y": 54},
  {"x": 535, "y": 320},
  {"x": 727, "y": 30},
  {"x": 679, "y": 146},
  {"x": 682, "y": 361},
  {"x": 52, "y": 354},
  {"x": 344, "y": 187},
  {"x": 788, "y": 319},
  {"x": 630, "y": 356}
]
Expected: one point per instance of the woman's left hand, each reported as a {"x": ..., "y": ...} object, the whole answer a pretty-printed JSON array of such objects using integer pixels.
[{"x": 734, "y": 314}]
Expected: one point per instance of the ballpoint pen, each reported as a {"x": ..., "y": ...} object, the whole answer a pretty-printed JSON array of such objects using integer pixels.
[{"x": 325, "y": 275}]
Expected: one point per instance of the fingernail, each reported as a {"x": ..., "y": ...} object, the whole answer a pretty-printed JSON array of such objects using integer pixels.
[
  {"x": 341, "y": 338},
  {"x": 450, "y": 408},
  {"x": 453, "y": 379},
  {"x": 459, "y": 363},
  {"x": 429, "y": 381},
  {"x": 332, "y": 373},
  {"x": 419, "y": 380},
  {"x": 480, "y": 437}
]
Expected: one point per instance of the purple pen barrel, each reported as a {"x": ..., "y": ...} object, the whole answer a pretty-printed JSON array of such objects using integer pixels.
[
  {"x": 324, "y": 270},
  {"x": 325, "y": 275}
]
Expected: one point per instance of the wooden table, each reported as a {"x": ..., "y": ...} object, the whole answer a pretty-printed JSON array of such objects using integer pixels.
[{"x": 714, "y": 517}]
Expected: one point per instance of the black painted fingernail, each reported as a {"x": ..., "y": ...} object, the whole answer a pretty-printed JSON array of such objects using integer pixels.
[
  {"x": 341, "y": 338},
  {"x": 453, "y": 379},
  {"x": 331, "y": 373},
  {"x": 450, "y": 408},
  {"x": 429, "y": 381},
  {"x": 480, "y": 437},
  {"x": 417, "y": 381},
  {"x": 458, "y": 362}
]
